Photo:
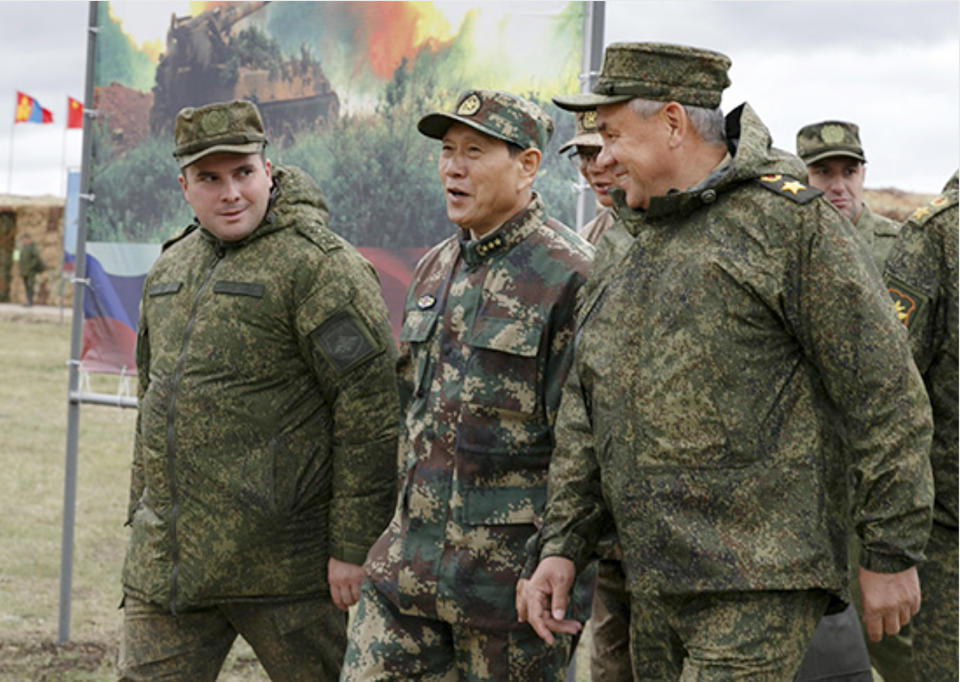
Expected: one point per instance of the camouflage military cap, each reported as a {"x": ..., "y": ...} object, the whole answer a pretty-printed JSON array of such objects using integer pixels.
[
  {"x": 829, "y": 138},
  {"x": 499, "y": 114},
  {"x": 218, "y": 127},
  {"x": 657, "y": 71},
  {"x": 585, "y": 133}
]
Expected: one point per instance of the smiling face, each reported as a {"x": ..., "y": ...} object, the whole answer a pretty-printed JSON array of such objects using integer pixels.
[
  {"x": 635, "y": 152},
  {"x": 840, "y": 178},
  {"x": 599, "y": 178},
  {"x": 228, "y": 193},
  {"x": 483, "y": 184}
]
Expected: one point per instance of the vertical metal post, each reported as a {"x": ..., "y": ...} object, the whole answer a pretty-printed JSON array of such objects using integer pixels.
[
  {"x": 593, "y": 21},
  {"x": 76, "y": 336}
]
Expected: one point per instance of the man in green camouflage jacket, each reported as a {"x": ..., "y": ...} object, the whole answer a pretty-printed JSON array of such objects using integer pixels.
[
  {"x": 837, "y": 166},
  {"x": 921, "y": 276},
  {"x": 486, "y": 342},
  {"x": 30, "y": 265},
  {"x": 714, "y": 364},
  {"x": 265, "y": 454}
]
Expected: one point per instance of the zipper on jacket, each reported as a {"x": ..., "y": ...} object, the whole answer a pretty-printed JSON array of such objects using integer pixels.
[{"x": 220, "y": 252}]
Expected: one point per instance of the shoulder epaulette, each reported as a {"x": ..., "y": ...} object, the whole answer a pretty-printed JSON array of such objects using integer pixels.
[
  {"x": 321, "y": 236},
  {"x": 789, "y": 187},
  {"x": 173, "y": 240},
  {"x": 932, "y": 208}
]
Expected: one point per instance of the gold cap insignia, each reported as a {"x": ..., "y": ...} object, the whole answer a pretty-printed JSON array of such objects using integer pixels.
[
  {"x": 469, "y": 106},
  {"x": 215, "y": 122},
  {"x": 832, "y": 134},
  {"x": 426, "y": 301},
  {"x": 589, "y": 120}
]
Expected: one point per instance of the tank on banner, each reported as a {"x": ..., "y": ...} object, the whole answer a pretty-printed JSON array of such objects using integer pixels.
[{"x": 341, "y": 86}]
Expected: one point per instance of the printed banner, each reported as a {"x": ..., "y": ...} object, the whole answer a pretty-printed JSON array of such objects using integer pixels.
[{"x": 341, "y": 86}]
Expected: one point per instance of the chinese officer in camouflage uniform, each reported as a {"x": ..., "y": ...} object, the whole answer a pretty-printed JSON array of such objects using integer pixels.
[
  {"x": 724, "y": 368},
  {"x": 486, "y": 342},
  {"x": 921, "y": 275},
  {"x": 265, "y": 455},
  {"x": 836, "y": 165}
]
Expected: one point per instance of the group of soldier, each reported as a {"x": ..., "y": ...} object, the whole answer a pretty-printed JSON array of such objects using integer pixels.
[{"x": 678, "y": 428}]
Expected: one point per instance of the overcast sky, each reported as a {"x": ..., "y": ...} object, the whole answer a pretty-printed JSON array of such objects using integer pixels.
[{"x": 892, "y": 67}]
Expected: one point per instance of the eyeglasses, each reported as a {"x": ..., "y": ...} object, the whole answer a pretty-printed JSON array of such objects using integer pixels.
[{"x": 580, "y": 157}]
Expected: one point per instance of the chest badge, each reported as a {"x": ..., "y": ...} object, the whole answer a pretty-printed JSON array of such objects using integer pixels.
[{"x": 426, "y": 302}]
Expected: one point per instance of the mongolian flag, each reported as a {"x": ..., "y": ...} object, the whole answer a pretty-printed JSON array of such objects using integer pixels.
[
  {"x": 74, "y": 113},
  {"x": 30, "y": 111}
]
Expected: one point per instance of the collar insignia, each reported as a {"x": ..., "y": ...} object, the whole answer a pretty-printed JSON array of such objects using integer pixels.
[
  {"x": 903, "y": 303},
  {"x": 426, "y": 301},
  {"x": 771, "y": 178}
]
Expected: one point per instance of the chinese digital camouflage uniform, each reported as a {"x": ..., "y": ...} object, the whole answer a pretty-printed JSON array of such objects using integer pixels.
[
  {"x": 921, "y": 275},
  {"x": 265, "y": 444},
  {"x": 708, "y": 420}
]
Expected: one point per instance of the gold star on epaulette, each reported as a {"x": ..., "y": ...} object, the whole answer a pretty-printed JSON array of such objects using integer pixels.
[
  {"x": 920, "y": 213},
  {"x": 793, "y": 186}
]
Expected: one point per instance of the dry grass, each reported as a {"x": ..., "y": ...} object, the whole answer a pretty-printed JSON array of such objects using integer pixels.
[{"x": 33, "y": 413}]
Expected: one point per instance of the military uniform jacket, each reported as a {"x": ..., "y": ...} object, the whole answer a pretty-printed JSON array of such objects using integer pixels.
[
  {"x": 486, "y": 342},
  {"x": 921, "y": 275},
  {"x": 879, "y": 232},
  {"x": 713, "y": 365},
  {"x": 30, "y": 261},
  {"x": 266, "y": 432},
  {"x": 593, "y": 230}
]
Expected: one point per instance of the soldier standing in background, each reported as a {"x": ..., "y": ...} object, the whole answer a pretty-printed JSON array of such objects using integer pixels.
[
  {"x": 30, "y": 265},
  {"x": 582, "y": 150},
  {"x": 712, "y": 366},
  {"x": 486, "y": 342},
  {"x": 264, "y": 462},
  {"x": 836, "y": 165},
  {"x": 921, "y": 276}
]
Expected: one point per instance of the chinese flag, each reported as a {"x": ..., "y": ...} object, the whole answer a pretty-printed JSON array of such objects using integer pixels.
[
  {"x": 30, "y": 111},
  {"x": 74, "y": 113}
]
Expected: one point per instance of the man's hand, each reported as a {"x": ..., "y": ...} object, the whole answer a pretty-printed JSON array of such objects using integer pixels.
[
  {"x": 889, "y": 600},
  {"x": 542, "y": 600},
  {"x": 344, "y": 582}
]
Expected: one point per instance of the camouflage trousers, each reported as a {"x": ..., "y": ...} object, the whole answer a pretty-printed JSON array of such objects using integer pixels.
[
  {"x": 892, "y": 656},
  {"x": 610, "y": 623},
  {"x": 935, "y": 626},
  {"x": 384, "y": 644},
  {"x": 757, "y": 636},
  {"x": 302, "y": 640}
]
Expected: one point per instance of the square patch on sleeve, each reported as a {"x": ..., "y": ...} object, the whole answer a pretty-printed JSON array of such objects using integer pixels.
[{"x": 345, "y": 341}]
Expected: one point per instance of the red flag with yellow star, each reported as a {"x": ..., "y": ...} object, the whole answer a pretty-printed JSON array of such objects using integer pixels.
[{"x": 74, "y": 113}]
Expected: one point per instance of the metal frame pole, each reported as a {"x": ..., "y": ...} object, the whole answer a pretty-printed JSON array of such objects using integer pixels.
[
  {"x": 76, "y": 337},
  {"x": 593, "y": 23}
]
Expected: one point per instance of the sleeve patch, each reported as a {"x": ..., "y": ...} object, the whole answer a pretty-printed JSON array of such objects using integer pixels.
[
  {"x": 345, "y": 341},
  {"x": 907, "y": 300}
]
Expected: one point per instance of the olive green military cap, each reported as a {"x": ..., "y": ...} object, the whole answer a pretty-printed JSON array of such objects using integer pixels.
[
  {"x": 234, "y": 127},
  {"x": 499, "y": 114},
  {"x": 829, "y": 138},
  {"x": 656, "y": 71},
  {"x": 585, "y": 131}
]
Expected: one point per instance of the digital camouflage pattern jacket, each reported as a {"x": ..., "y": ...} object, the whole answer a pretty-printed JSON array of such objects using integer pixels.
[
  {"x": 713, "y": 366},
  {"x": 268, "y": 415},
  {"x": 486, "y": 342},
  {"x": 921, "y": 275},
  {"x": 879, "y": 232}
]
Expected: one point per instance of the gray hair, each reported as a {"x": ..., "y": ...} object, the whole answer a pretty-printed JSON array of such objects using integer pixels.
[{"x": 708, "y": 123}]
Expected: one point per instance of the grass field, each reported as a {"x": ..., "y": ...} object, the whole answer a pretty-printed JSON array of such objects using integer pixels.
[{"x": 33, "y": 414}]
